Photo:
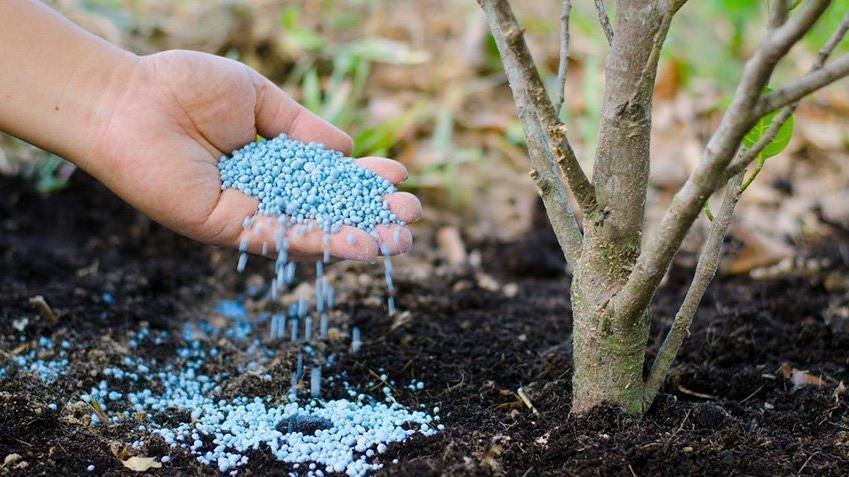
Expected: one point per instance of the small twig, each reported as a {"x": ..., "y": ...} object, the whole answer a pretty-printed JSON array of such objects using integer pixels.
[
  {"x": 799, "y": 472},
  {"x": 39, "y": 302},
  {"x": 750, "y": 396},
  {"x": 101, "y": 414},
  {"x": 697, "y": 394},
  {"x": 804, "y": 86},
  {"x": 746, "y": 157},
  {"x": 683, "y": 421},
  {"x": 563, "y": 67},
  {"x": 604, "y": 20},
  {"x": 525, "y": 399}
]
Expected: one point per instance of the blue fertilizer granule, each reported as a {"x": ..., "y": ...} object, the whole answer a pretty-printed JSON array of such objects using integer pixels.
[
  {"x": 308, "y": 182},
  {"x": 314, "y": 434}
]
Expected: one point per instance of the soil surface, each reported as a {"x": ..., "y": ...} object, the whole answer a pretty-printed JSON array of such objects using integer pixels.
[{"x": 475, "y": 338}]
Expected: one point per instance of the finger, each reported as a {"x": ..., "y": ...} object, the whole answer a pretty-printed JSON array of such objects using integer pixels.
[
  {"x": 394, "y": 239},
  {"x": 405, "y": 206},
  {"x": 392, "y": 171},
  {"x": 277, "y": 112},
  {"x": 224, "y": 224},
  {"x": 308, "y": 240}
]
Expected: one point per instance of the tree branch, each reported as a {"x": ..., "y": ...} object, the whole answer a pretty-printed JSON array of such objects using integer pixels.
[
  {"x": 657, "y": 45},
  {"x": 604, "y": 20},
  {"x": 563, "y": 67},
  {"x": 530, "y": 94},
  {"x": 710, "y": 255},
  {"x": 804, "y": 86},
  {"x": 537, "y": 116},
  {"x": 742, "y": 162},
  {"x": 780, "y": 11},
  {"x": 687, "y": 203},
  {"x": 705, "y": 271},
  {"x": 561, "y": 217}
]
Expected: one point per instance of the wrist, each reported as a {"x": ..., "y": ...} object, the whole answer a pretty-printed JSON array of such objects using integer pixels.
[{"x": 98, "y": 87}]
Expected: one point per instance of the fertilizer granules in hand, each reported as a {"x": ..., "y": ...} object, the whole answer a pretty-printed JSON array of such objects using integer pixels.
[{"x": 308, "y": 182}]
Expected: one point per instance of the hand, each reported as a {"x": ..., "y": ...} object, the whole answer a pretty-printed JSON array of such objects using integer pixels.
[{"x": 157, "y": 144}]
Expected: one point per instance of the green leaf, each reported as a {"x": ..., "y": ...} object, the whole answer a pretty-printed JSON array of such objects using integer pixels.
[
  {"x": 383, "y": 50},
  {"x": 778, "y": 143},
  {"x": 311, "y": 92}
]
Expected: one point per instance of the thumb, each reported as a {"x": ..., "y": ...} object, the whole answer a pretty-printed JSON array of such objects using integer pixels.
[{"x": 277, "y": 112}]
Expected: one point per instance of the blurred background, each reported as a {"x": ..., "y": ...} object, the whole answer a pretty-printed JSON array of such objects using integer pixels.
[{"x": 422, "y": 82}]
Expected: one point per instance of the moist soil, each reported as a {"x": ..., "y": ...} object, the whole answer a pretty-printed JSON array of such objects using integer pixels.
[{"x": 475, "y": 338}]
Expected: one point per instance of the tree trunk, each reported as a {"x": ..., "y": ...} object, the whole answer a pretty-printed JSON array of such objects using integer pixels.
[
  {"x": 609, "y": 352},
  {"x": 609, "y": 349}
]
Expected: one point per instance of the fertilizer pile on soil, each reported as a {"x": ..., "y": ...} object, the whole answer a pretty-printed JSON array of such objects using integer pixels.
[{"x": 175, "y": 400}]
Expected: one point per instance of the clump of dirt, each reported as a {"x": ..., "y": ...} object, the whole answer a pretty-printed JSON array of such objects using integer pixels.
[{"x": 727, "y": 408}]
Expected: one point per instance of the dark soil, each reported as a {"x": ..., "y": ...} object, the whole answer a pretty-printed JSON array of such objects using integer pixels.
[{"x": 727, "y": 408}]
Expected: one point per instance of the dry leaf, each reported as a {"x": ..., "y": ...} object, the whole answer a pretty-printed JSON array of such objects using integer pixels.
[
  {"x": 141, "y": 464},
  {"x": 758, "y": 250},
  {"x": 798, "y": 377}
]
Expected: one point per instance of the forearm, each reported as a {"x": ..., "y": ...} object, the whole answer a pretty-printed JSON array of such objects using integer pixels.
[{"x": 56, "y": 79}]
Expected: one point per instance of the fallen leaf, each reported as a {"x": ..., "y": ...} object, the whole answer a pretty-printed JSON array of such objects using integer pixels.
[
  {"x": 759, "y": 250},
  {"x": 141, "y": 464},
  {"x": 798, "y": 377}
]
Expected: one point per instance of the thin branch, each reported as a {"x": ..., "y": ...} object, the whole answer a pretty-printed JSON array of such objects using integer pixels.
[
  {"x": 743, "y": 161},
  {"x": 604, "y": 20},
  {"x": 705, "y": 271},
  {"x": 561, "y": 217},
  {"x": 832, "y": 43},
  {"x": 536, "y": 114},
  {"x": 780, "y": 11},
  {"x": 563, "y": 67},
  {"x": 657, "y": 46},
  {"x": 804, "y": 86},
  {"x": 529, "y": 93},
  {"x": 571, "y": 171},
  {"x": 687, "y": 203}
]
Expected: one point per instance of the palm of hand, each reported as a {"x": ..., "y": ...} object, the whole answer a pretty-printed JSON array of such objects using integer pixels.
[{"x": 179, "y": 113}]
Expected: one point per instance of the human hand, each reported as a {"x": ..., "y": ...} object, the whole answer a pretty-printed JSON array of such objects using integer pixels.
[{"x": 157, "y": 145}]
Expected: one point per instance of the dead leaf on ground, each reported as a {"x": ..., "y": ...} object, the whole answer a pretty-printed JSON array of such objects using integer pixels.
[
  {"x": 141, "y": 464},
  {"x": 758, "y": 250},
  {"x": 799, "y": 377}
]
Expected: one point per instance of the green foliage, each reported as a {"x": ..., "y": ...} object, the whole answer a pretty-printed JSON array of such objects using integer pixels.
[
  {"x": 773, "y": 147},
  {"x": 778, "y": 144},
  {"x": 377, "y": 140},
  {"x": 52, "y": 174},
  {"x": 301, "y": 38}
]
